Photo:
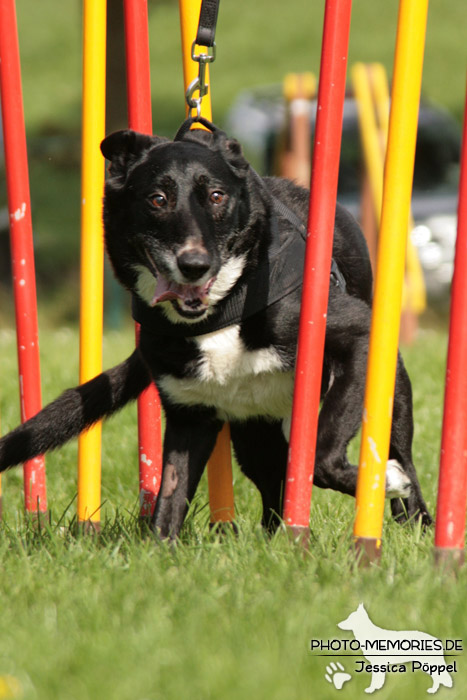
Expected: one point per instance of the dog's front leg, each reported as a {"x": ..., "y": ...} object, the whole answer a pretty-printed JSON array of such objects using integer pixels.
[{"x": 189, "y": 440}]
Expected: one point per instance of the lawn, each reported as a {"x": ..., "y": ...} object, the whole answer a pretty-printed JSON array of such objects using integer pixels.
[{"x": 124, "y": 617}]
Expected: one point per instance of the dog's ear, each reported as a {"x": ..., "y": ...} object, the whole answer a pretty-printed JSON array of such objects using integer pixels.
[
  {"x": 236, "y": 158},
  {"x": 123, "y": 148},
  {"x": 233, "y": 154}
]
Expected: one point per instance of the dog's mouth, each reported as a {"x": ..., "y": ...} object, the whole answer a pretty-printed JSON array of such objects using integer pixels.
[{"x": 190, "y": 300}]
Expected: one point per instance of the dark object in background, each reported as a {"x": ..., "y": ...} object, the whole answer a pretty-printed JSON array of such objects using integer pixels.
[{"x": 257, "y": 119}]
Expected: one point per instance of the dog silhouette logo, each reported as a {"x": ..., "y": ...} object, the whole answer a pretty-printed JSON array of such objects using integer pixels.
[{"x": 391, "y": 650}]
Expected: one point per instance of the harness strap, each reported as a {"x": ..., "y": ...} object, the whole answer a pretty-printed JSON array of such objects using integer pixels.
[{"x": 337, "y": 278}]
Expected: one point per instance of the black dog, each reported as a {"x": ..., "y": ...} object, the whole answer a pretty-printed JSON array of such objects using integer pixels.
[{"x": 213, "y": 255}]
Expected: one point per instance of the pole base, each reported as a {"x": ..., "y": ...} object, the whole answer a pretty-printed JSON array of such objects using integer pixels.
[
  {"x": 89, "y": 527},
  {"x": 38, "y": 519},
  {"x": 299, "y": 534},
  {"x": 449, "y": 557},
  {"x": 144, "y": 525},
  {"x": 368, "y": 550},
  {"x": 223, "y": 527}
]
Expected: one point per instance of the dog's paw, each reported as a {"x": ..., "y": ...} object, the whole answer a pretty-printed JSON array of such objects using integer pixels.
[
  {"x": 398, "y": 484},
  {"x": 336, "y": 675}
]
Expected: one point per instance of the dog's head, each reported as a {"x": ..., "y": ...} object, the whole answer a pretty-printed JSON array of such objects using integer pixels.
[{"x": 176, "y": 218}]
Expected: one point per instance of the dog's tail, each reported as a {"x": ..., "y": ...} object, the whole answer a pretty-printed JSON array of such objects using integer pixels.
[{"x": 74, "y": 411}]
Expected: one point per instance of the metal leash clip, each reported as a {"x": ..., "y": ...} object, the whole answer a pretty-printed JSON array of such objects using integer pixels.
[{"x": 199, "y": 84}]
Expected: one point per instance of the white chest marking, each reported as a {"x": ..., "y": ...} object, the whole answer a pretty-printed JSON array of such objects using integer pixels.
[{"x": 239, "y": 383}]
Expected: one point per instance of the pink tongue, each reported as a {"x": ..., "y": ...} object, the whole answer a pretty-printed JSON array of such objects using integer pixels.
[{"x": 166, "y": 290}]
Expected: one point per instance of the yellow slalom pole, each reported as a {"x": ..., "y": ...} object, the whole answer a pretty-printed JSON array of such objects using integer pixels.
[
  {"x": 372, "y": 97},
  {"x": 220, "y": 481},
  {"x": 369, "y": 133},
  {"x": 414, "y": 295},
  {"x": 382, "y": 359},
  {"x": 379, "y": 83},
  {"x": 92, "y": 252},
  {"x": 189, "y": 17}
]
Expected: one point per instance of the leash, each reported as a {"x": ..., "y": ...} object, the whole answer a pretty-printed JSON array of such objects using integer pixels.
[
  {"x": 204, "y": 37},
  {"x": 207, "y": 23}
]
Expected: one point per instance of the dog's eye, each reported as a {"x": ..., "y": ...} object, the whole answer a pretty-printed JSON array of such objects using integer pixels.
[
  {"x": 158, "y": 200},
  {"x": 216, "y": 197}
]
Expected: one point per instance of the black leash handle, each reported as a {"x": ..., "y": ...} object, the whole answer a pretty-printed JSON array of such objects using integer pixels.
[{"x": 207, "y": 23}]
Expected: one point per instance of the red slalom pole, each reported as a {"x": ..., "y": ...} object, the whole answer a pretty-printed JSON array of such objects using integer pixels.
[
  {"x": 318, "y": 255},
  {"x": 452, "y": 487},
  {"x": 140, "y": 119},
  {"x": 137, "y": 66},
  {"x": 22, "y": 252}
]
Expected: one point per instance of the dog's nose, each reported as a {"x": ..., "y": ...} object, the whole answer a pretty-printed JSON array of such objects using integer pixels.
[{"x": 193, "y": 263}]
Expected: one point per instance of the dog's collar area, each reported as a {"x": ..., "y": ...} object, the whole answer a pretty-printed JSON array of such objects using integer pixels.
[{"x": 337, "y": 278}]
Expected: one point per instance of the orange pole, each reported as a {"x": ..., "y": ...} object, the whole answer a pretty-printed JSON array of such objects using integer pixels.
[
  {"x": 299, "y": 89},
  {"x": 221, "y": 499}
]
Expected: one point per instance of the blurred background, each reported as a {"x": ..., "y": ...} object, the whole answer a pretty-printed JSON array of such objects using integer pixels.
[{"x": 257, "y": 45}]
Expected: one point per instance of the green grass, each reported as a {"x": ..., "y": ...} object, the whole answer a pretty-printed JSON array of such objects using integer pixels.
[{"x": 124, "y": 617}]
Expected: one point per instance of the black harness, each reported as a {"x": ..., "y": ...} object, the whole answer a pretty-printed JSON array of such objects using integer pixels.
[{"x": 279, "y": 275}]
